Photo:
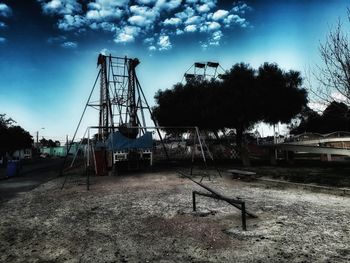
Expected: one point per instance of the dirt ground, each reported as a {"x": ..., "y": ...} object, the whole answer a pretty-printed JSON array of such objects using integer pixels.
[{"x": 149, "y": 218}]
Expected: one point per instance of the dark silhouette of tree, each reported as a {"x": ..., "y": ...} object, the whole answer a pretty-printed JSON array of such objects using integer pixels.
[
  {"x": 239, "y": 100},
  {"x": 336, "y": 117},
  {"x": 5, "y": 122},
  {"x": 188, "y": 105},
  {"x": 270, "y": 95},
  {"x": 310, "y": 121},
  {"x": 47, "y": 143},
  {"x": 12, "y": 137},
  {"x": 240, "y": 106},
  {"x": 282, "y": 95}
]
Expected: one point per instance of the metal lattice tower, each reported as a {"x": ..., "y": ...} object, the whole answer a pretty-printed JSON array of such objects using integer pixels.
[{"x": 122, "y": 101}]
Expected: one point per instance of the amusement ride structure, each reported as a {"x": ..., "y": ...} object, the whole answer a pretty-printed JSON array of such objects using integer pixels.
[{"x": 122, "y": 135}]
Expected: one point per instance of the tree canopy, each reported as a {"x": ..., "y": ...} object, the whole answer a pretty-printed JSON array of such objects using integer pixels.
[
  {"x": 243, "y": 97},
  {"x": 336, "y": 117},
  {"x": 49, "y": 143},
  {"x": 13, "y": 137}
]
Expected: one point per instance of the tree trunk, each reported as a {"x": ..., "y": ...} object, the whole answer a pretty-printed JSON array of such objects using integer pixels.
[{"x": 242, "y": 146}]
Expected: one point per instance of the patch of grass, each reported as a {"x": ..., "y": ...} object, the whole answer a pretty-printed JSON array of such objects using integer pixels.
[{"x": 332, "y": 174}]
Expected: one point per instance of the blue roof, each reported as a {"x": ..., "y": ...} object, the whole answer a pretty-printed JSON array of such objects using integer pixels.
[{"x": 118, "y": 142}]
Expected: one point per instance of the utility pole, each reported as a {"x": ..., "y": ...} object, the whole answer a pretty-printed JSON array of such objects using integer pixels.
[{"x": 67, "y": 144}]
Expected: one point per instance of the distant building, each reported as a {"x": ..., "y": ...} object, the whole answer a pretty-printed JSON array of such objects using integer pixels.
[
  {"x": 61, "y": 151},
  {"x": 23, "y": 154}
]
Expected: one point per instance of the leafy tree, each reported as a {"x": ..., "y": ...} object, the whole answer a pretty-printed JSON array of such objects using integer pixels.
[
  {"x": 283, "y": 97},
  {"x": 190, "y": 104},
  {"x": 240, "y": 106},
  {"x": 270, "y": 95},
  {"x": 309, "y": 121},
  {"x": 12, "y": 137},
  {"x": 240, "y": 99},
  {"x": 47, "y": 143},
  {"x": 336, "y": 117},
  {"x": 5, "y": 122}
]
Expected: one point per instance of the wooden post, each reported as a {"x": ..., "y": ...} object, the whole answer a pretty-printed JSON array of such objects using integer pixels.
[
  {"x": 244, "y": 224},
  {"x": 194, "y": 200},
  {"x": 272, "y": 153}
]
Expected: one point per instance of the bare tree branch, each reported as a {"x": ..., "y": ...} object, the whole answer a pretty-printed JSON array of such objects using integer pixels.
[{"x": 334, "y": 75}]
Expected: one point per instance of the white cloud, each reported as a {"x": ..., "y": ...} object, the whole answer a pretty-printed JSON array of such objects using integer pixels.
[
  {"x": 203, "y": 8},
  {"x": 62, "y": 7},
  {"x": 104, "y": 15},
  {"x": 152, "y": 48},
  {"x": 127, "y": 34},
  {"x": 235, "y": 19},
  {"x": 174, "y": 21},
  {"x": 143, "y": 16},
  {"x": 220, "y": 14},
  {"x": 179, "y": 32},
  {"x": 145, "y": 2},
  {"x": 106, "y": 26},
  {"x": 193, "y": 20},
  {"x": 129, "y": 20},
  {"x": 5, "y": 10},
  {"x": 209, "y": 26},
  {"x": 148, "y": 40},
  {"x": 164, "y": 43},
  {"x": 188, "y": 12},
  {"x": 167, "y": 5},
  {"x": 71, "y": 22},
  {"x": 138, "y": 21},
  {"x": 104, "y": 51},
  {"x": 56, "y": 39},
  {"x": 241, "y": 8},
  {"x": 213, "y": 40},
  {"x": 69, "y": 44},
  {"x": 108, "y": 5},
  {"x": 190, "y": 28},
  {"x": 213, "y": 26},
  {"x": 144, "y": 11},
  {"x": 122, "y": 37},
  {"x": 2, "y": 40}
]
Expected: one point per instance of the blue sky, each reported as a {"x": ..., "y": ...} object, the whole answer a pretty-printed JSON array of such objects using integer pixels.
[{"x": 48, "y": 48}]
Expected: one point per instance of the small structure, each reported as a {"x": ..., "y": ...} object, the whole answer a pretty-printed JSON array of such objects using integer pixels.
[
  {"x": 124, "y": 148},
  {"x": 23, "y": 154}
]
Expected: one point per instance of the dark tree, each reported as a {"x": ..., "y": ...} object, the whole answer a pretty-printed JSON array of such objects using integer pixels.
[
  {"x": 282, "y": 95},
  {"x": 239, "y": 100},
  {"x": 12, "y": 138},
  {"x": 188, "y": 105},
  {"x": 240, "y": 106},
  {"x": 47, "y": 143},
  {"x": 309, "y": 121},
  {"x": 336, "y": 117}
]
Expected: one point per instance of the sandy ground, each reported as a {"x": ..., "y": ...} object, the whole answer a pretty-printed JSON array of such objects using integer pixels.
[{"x": 149, "y": 218}]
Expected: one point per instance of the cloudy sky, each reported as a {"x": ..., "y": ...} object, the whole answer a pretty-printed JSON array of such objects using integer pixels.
[{"x": 48, "y": 48}]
